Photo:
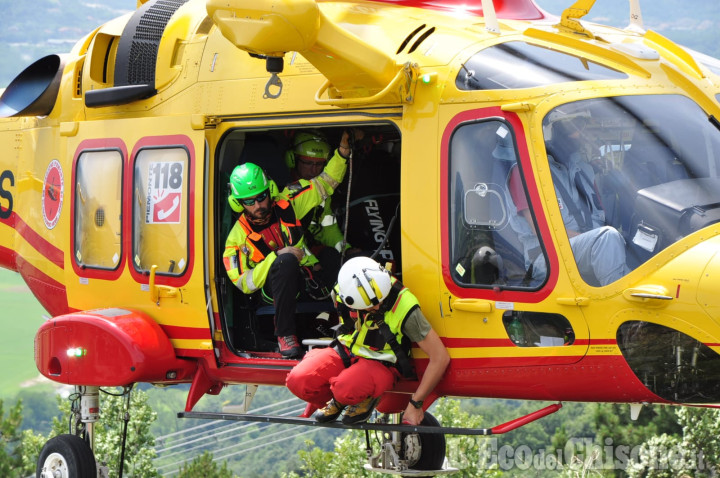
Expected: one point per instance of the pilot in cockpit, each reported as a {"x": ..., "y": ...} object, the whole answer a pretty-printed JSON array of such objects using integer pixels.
[{"x": 599, "y": 249}]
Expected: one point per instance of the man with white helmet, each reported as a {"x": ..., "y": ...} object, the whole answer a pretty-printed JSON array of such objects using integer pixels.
[{"x": 380, "y": 318}]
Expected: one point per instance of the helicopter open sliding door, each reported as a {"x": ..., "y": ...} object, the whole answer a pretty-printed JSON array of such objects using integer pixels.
[
  {"x": 137, "y": 223},
  {"x": 497, "y": 271},
  {"x": 364, "y": 206}
]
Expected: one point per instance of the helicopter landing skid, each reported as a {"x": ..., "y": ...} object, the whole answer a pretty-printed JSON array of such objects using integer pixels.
[{"x": 380, "y": 426}]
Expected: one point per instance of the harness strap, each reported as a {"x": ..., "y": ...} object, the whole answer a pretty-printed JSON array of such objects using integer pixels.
[
  {"x": 581, "y": 220},
  {"x": 389, "y": 302},
  {"x": 403, "y": 359},
  {"x": 340, "y": 349},
  {"x": 254, "y": 238},
  {"x": 286, "y": 216}
]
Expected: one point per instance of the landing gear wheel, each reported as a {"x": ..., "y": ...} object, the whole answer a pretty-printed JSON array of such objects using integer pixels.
[
  {"x": 424, "y": 451},
  {"x": 66, "y": 456}
]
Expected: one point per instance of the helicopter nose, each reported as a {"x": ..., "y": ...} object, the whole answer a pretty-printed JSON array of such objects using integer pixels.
[{"x": 675, "y": 351}]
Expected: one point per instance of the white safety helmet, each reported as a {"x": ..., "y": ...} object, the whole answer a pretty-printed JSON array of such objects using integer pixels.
[{"x": 363, "y": 283}]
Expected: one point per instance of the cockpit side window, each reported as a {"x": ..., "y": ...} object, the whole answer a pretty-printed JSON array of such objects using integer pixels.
[
  {"x": 632, "y": 175},
  {"x": 492, "y": 243},
  {"x": 516, "y": 64}
]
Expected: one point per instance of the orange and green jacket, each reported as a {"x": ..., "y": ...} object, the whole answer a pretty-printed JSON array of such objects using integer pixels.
[{"x": 248, "y": 259}]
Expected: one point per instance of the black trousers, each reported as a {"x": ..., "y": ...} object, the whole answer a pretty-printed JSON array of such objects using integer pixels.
[{"x": 282, "y": 285}]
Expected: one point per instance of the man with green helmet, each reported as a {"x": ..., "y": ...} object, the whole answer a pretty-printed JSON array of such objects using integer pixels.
[
  {"x": 266, "y": 249},
  {"x": 306, "y": 159}
]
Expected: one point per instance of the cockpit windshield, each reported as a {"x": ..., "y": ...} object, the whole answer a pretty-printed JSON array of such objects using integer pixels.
[
  {"x": 636, "y": 173},
  {"x": 517, "y": 64}
]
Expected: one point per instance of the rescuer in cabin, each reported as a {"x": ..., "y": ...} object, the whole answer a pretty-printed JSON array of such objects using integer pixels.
[
  {"x": 306, "y": 159},
  {"x": 266, "y": 250},
  {"x": 380, "y": 318}
]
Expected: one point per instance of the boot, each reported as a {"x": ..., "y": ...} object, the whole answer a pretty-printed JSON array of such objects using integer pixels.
[
  {"x": 289, "y": 347},
  {"x": 329, "y": 412},
  {"x": 361, "y": 412}
]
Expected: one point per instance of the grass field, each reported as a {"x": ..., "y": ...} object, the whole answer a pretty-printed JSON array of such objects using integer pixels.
[{"x": 20, "y": 317}]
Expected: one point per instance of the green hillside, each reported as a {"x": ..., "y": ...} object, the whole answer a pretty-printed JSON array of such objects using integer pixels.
[{"x": 20, "y": 316}]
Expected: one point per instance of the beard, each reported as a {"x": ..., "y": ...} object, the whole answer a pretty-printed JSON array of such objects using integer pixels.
[{"x": 259, "y": 216}]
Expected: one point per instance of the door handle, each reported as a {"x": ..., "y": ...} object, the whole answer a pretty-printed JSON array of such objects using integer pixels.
[
  {"x": 650, "y": 295},
  {"x": 472, "y": 305},
  {"x": 159, "y": 291}
]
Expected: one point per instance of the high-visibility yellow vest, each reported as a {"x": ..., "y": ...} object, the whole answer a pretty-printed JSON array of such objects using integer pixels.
[{"x": 367, "y": 339}]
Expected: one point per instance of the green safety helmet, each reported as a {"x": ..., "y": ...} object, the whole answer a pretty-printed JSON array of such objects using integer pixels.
[
  {"x": 248, "y": 180},
  {"x": 310, "y": 145}
]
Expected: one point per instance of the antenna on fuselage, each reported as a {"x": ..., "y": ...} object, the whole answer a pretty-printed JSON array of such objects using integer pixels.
[
  {"x": 491, "y": 21},
  {"x": 636, "y": 20}
]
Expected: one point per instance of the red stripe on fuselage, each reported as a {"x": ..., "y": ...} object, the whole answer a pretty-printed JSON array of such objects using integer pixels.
[
  {"x": 192, "y": 353},
  {"x": 39, "y": 243},
  {"x": 7, "y": 258},
  {"x": 592, "y": 379},
  {"x": 188, "y": 333}
]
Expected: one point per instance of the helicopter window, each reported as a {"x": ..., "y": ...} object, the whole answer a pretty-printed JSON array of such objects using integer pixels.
[
  {"x": 673, "y": 365},
  {"x": 486, "y": 231},
  {"x": 537, "y": 329},
  {"x": 517, "y": 64},
  {"x": 650, "y": 166},
  {"x": 98, "y": 203},
  {"x": 160, "y": 210}
]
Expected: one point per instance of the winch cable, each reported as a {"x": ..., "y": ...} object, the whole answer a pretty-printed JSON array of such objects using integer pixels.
[
  {"x": 351, "y": 143},
  {"x": 126, "y": 419}
]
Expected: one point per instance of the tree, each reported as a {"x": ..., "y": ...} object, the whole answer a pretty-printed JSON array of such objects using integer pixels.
[
  {"x": 615, "y": 427},
  {"x": 18, "y": 450},
  {"x": 139, "y": 446},
  {"x": 39, "y": 408},
  {"x": 205, "y": 466},
  {"x": 467, "y": 453},
  {"x": 10, "y": 439},
  {"x": 696, "y": 453},
  {"x": 345, "y": 460}
]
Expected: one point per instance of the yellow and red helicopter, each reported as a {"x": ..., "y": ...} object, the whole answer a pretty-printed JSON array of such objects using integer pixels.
[{"x": 113, "y": 197}]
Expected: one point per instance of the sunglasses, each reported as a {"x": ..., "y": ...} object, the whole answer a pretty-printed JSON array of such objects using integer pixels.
[
  {"x": 250, "y": 201},
  {"x": 314, "y": 164}
]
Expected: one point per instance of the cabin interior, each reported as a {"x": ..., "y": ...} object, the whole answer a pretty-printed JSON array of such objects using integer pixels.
[{"x": 367, "y": 209}]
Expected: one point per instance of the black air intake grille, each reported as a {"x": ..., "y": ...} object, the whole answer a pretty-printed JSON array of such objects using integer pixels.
[{"x": 138, "y": 47}]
